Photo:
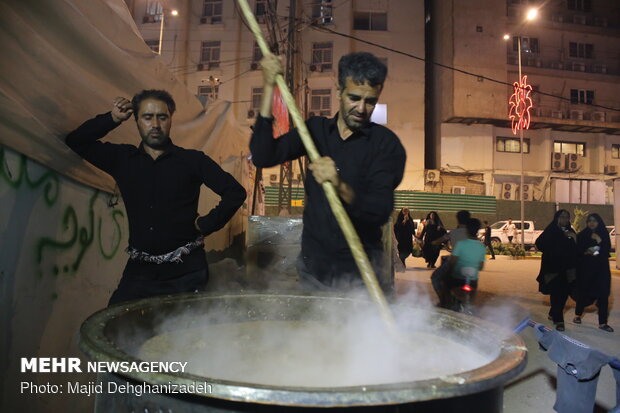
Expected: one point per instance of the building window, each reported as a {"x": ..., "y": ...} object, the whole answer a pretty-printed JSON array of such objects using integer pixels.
[
  {"x": 322, "y": 11},
  {"x": 615, "y": 151},
  {"x": 570, "y": 147},
  {"x": 584, "y": 50},
  {"x": 210, "y": 54},
  {"x": 581, "y": 96},
  {"x": 209, "y": 91},
  {"x": 528, "y": 44},
  {"x": 581, "y": 5},
  {"x": 322, "y": 55},
  {"x": 321, "y": 102},
  {"x": 257, "y": 95},
  {"x": 512, "y": 145},
  {"x": 257, "y": 55},
  {"x": 261, "y": 8},
  {"x": 153, "y": 44},
  {"x": 153, "y": 13},
  {"x": 369, "y": 20},
  {"x": 212, "y": 11}
]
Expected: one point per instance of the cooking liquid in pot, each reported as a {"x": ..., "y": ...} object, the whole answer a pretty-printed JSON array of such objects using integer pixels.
[{"x": 311, "y": 354}]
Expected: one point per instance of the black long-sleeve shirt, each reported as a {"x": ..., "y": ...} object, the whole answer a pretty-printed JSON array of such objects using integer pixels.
[
  {"x": 371, "y": 161},
  {"x": 161, "y": 195}
]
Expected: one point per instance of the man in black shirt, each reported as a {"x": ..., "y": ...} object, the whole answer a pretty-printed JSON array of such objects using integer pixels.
[
  {"x": 487, "y": 239},
  {"x": 363, "y": 160},
  {"x": 160, "y": 184}
]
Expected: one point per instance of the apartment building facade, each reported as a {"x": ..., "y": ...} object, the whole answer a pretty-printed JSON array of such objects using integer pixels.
[
  {"x": 570, "y": 56},
  {"x": 208, "y": 47}
]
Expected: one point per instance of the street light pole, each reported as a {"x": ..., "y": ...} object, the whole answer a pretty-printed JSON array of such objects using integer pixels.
[
  {"x": 161, "y": 30},
  {"x": 173, "y": 12},
  {"x": 531, "y": 15},
  {"x": 522, "y": 198}
]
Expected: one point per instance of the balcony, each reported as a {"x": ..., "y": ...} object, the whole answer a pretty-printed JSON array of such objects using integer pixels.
[
  {"x": 515, "y": 11},
  {"x": 532, "y": 60}
]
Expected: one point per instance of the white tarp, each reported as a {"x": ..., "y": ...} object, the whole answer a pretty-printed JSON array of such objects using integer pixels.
[{"x": 64, "y": 61}]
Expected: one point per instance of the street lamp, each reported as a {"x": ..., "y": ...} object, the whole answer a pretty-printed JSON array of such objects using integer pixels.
[
  {"x": 173, "y": 12},
  {"x": 522, "y": 123}
]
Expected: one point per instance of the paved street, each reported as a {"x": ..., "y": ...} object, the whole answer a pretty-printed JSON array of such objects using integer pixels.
[{"x": 508, "y": 292}]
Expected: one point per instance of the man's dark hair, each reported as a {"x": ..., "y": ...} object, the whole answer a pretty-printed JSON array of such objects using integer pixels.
[
  {"x": 462, "y": 217},
  {"x": 361, "y": 67},
  {"x": 152, "y": 94},
  {"x": 485, "y": 222},
  {"x": 473, "y": 226}
]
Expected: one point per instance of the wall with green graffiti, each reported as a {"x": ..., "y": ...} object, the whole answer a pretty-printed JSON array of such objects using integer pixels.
[{"x": 61, "y": 256}]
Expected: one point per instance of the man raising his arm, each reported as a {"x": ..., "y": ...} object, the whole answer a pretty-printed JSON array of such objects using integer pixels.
[{"x": 160, "y": 184}]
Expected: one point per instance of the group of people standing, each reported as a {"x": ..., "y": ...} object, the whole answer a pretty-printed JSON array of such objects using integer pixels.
[
  {"x": 572, "y": 264},
  {"x": 575, "y": 265}
]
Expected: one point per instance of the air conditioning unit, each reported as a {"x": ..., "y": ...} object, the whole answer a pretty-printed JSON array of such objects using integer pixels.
[
  {"x": 205, "y": 20},
  {"x": 574, "y": 162},
  {"x": 558, "y": 114},
  {"x": 598, "y": 116},
  {"x": 207, "y": 65},
  {"x": 151, "y": 18},
  {"x": 599, "y": 69},
  {"x": 576, "y": 114},
  {"x": 538, "y": 112},
  {"x": 579, "y": 19},
  {"x": 600, "y": 21},
  {"x": 557, "y": 65},
  {"x": 459, "y": 190},
  {"x": 431, "y": 175},
  {"x": 254, "y": 66},
  {"x": 557, "y": 18},
  {"x": 251, "y": 113},
  {"x": 527, "y": 190},
  {"x": 558, "y": 162},
  {"x": 319, "y": 67},
  {"x": 611, "y": 169},
  {"x": 579, "y": 67},
  {"x": 509, "y": 191},
  {"x": 534, "y": 62}
]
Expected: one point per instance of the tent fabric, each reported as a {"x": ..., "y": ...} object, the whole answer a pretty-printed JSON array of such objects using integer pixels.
[{"x": 64, "y": 61}]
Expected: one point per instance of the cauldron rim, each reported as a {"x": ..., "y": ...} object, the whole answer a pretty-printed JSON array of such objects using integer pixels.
[{"x": 509, "y": 363}]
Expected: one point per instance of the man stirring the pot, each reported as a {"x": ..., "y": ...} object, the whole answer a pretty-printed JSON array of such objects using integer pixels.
[
  {"x": 160, "y": 184},
  {"x": 364, "y": 161}
]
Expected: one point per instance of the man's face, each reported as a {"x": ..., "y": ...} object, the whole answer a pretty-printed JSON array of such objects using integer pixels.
[
  {"x": 357, "y": 102},
  {"x": 154, "y": 122}
]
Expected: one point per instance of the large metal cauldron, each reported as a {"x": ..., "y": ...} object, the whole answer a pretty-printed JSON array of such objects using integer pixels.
[{"x": 116, "y": 334}]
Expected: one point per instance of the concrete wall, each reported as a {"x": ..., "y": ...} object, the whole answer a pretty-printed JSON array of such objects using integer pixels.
[{"x": 61, "y": 256}]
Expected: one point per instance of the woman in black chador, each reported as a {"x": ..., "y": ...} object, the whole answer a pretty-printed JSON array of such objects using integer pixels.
[
  {"x": 433, "y": 230},
  {"x": 404, "y": 230},
  {"x": 593, "y": 274},
  {"x": 558, "y": 244}
]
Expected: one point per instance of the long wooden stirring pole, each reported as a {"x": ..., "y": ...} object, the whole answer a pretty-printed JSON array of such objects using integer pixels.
[{"x": 363, "y": 264}]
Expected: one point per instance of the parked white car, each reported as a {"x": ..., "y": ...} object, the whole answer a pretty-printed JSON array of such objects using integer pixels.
[
  {"x": 612, "y": 235},
  {"x": 499, "y": 235}
]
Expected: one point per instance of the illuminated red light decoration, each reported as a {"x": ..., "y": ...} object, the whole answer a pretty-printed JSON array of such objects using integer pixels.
[
  {"x": 280, "y": 115},
  {"x": 520, "y": 105}
]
